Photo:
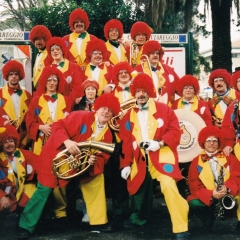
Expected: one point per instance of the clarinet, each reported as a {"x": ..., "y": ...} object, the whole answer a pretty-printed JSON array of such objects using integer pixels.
[{"x": 219, "y": 209}]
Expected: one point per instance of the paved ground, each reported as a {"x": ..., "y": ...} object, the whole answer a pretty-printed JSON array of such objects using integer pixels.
[{"x": 159, "y": 227}]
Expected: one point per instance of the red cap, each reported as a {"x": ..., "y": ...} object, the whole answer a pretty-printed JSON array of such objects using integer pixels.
[
  {"x": 58, "y": 42},
  {"x": 234, "y": 79},
  {"x": 140, "y": 27},
  {"x": 118, "y": 67},
  {"x": 96, "y": 45},
  {"x": 220, "y": 73},
  {"x": 39, "y": 31},
  {"x": 143, "y": 81},
  {"x": 113, "y": 23},
  {"x": 13, "y": 66},
  {"x": 152, "y": 46},
  {"x": 108, "y": 100},
  {"x": 46, "y": 73},
  {"x": 187, "y": 80},
  {"x": 208, "y": 132},
  {"x": 8, "y": 131},
  {"x": 76, "y": 15},
  {"x": 89, "y": 83}
]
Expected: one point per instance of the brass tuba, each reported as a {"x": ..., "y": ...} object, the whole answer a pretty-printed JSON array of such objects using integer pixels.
[
  {"x": 66, "y": 166},
  {"x": 125, "y": 106},
  {"x": 15, "y": 123},
  {"x": 146, "y": 66}
]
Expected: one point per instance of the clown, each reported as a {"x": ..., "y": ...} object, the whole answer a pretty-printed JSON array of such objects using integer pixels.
[
  {"x": 14, "y": 100},
  {"x": 163, "y": 76},
  {"x": 204, "y": 175},
  {"x": 77, "y": 127},
  {"x": 16, "y": 173},
  {"x": 113, "y": 31},
  {"x": 78, "y": 39},
  {"x": 220, "y": 81},
  {"x": 150, "y": 133},
  {"x": 39, "y": 36},
  {"x": 188, "y": 88}
]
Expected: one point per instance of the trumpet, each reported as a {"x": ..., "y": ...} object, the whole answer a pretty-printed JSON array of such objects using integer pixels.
[
  {"x": 15, "y": 123},
  {"x": 66, "y": 166},
  {"x": 125, "y": 106},
  {"x": 45, "y": 137}
]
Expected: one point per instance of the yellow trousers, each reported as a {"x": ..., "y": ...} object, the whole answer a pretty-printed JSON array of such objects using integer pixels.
[
  {"x": 95, "y": 199},
  {"x": 176, "y": 204},
  {"x": 60, "y": 202}
]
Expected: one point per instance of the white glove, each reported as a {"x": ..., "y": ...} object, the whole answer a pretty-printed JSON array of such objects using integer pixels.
[
  {"x": 126, "y": 172},
  {"x": 153, "y": 145}
]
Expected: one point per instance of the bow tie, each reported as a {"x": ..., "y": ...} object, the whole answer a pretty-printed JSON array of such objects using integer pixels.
[
  {"x": 114, "y": 43},
  {"x": 51, "y": 98},
  {"x": 143, "y": 108},
  {"x": 93, "y": 67},
  {"x": 154, "y": 69},
  {"x": 17, "y": 154},
  {"x": 120, "y": 89},
  {"x": 206, "y": 157},
  {"x": 82, "y": 35},
  {"x": 16, "y": 91},
  {"x": 185, "y": 103},
  {"x": 61, "y": 64},
  {"x": 226, "y": 99}
]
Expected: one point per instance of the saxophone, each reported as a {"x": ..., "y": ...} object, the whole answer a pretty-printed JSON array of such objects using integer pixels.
[{"x": 225, "y": 203}]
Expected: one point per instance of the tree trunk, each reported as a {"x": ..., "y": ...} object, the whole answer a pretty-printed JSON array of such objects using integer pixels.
[{"x": 221, "y": 43}]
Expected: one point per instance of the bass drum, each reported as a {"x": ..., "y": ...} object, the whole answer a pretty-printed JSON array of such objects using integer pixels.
[{"x": 190, "y": 124}]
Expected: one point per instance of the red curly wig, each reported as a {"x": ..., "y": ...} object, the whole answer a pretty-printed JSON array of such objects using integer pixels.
[
  {"x": 58, "y": 42},
  {"x": 187, "y": 80},
  {"x": 46, "y": 73},
  {"x": 223, "y": 73},
  {"x": 208, "y": 132},
  {"x": 140, "y": 27},
  {"x": 6, "y": 132},
  {"x": 76, "y": 15},
  {"x": 13, "y": 66},
  {"x": 118, "y": 67},
  {"x": 143, "y": 81},
  {"x": 113, "y": 23},
  {"x": 234, "y": 79},
  {"x": 108, "y": 100},
  {"x": 95, "y": 45},
  {"x": 89, "y": 83},
  {"x": 152, "y": 46},
  {"x": 39, "y": 31}
]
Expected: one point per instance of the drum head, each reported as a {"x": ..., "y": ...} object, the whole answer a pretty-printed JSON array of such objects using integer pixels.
[{"x": 190, "y": 124}]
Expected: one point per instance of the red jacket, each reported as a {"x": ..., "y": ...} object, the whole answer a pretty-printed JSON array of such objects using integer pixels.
[{"x": 77, "y": 127}]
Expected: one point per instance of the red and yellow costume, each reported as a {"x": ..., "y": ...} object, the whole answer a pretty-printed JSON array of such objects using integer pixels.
[{"x": 43, "y": 59}]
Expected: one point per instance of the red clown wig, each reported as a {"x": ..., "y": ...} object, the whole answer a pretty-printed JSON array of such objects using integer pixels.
[
  {"x": 234, "y": 80},
  {"x": 58, "y": 42},
  {"x": 13, "y": 66},
  {"x": 78, "y": 14},
  {"x": 6, "y": 132},
  {"x": 96, "y": 45},
  {"x": 39, "y": 31},
  {"x": 140, "y": 27},
  {"x": 152, "y": 46},
  {"x": 219, "y": 73},
  {"x": 119, "y": 67},
  {"x": 145, "y": 82},
  {"x": 108, "y": 100},
  {"x": 113, "y": 23},
  {"x": 187, "y": 80},
  {"x": 89, "y": 83},
  {"x": 210, "y": 131},
  {"x": 47, "y": 72}
]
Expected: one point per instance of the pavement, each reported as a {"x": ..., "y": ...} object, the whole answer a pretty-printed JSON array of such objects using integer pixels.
[{"x": 158, "y": 227}]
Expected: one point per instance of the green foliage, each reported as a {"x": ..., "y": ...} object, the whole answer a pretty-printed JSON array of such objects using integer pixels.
[{"x": 56, "y": 16}]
